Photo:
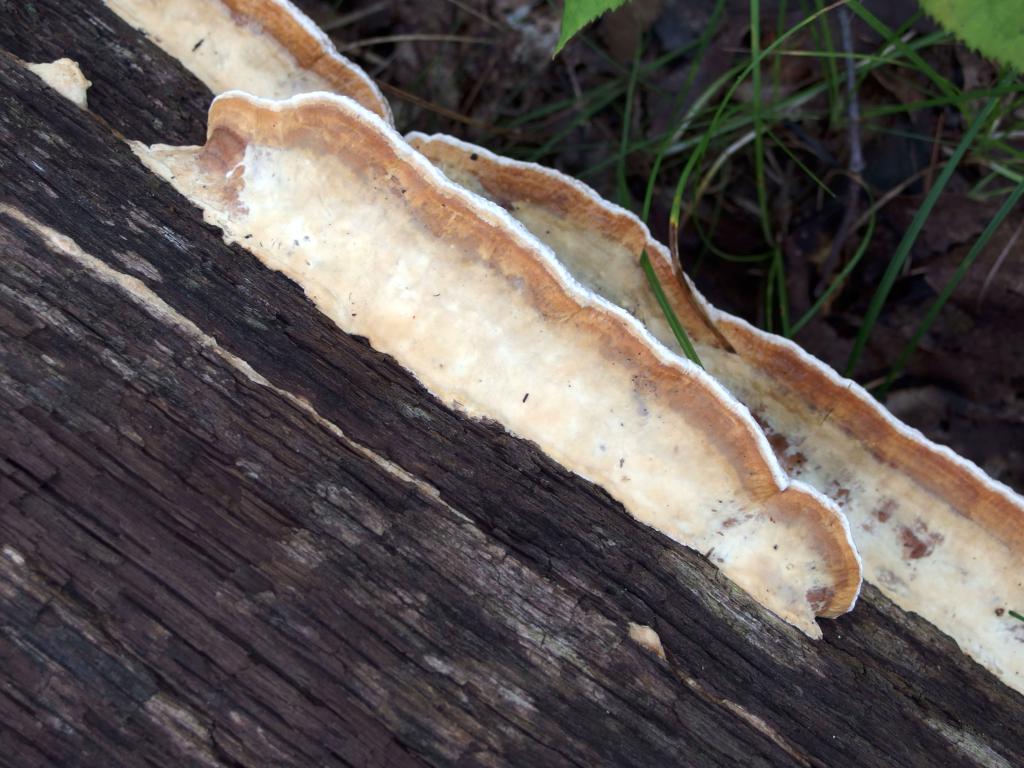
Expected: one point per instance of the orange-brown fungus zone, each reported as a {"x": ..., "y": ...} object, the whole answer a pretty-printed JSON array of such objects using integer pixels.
[{"x": 310, "y": 51}]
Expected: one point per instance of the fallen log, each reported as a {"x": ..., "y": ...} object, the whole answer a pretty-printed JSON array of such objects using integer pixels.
[{"x": 232, "y": 534}]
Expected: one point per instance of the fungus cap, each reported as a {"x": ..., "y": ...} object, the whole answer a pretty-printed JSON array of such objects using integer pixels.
[
  {"x": 938, "y": 536},
  {"x": 488, "y": 320},
  {"x": 266, "y": 47}
]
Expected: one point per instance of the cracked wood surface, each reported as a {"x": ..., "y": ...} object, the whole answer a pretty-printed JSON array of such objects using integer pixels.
[{"x": 232, "y": 535}]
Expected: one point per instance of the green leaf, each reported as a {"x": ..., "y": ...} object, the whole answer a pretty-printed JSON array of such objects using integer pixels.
[
  {"x": 578, "y": 13},
  {"x": 994, "y": 27}
]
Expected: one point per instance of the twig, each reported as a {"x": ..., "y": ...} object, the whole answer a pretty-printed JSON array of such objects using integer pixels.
[
  {"x": 470, "y": 99},
  {"x": 716, "y": 166},
  {"x": 888, "y": 197},
  {"x": 415, "y": 38},
  {"x": 343, "y": 20},
  {"x": 474, "y": 12},
  {"x": 856, "y": 164},
  {"x": 936, "y": 150},
  {"x": 853, "y": 105},
  {"x": 999, "y": 262},
  {"x": 412, "y": 98}
]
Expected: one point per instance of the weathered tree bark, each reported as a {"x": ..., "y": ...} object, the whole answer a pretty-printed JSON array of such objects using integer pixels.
[{"x": 232, "y": 535}]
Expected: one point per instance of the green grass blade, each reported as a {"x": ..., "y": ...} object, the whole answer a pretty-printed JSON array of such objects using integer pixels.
[
  {"x": 882, "y": 29},
  {"x": 799, "y": 163},
  {"x": 557, "y": 106},
  {"x": 899, "y": 258},
  {"x": 767, "y": 320},
  {"x": 666, "y": 139},
  {"x": 950, "y": 287},
  {"x": 755, "y": 78},
  {"x": 782, "y": 107},
  {"x": 831, "y": 68},
  {"x": 705, "y": 141},
  {"x": 778, "y": 268},
  {"x": 780, "y": 275},
  {"x": 621, "y": 186},
  {"x": 670, "y": 315},
  {"x": 839, "y": 278},
  {"x": 941, "y": 101},
  {"x": 585, "y": 114}
]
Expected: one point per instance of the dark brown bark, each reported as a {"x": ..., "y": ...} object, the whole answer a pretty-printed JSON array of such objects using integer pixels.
[{"x": 197, "y": 569}]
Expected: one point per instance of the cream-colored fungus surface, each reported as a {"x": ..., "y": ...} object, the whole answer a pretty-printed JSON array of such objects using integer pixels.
[
  {"x": 933, "y": 552},
  {"x": 65, "y": 77},
  {"x": 482, "y": 314},
  {"x": 920, "y": 550},
  {"x": 228, "y": 44}
]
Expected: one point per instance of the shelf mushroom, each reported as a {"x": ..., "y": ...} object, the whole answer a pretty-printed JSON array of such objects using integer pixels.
[
  {"x": 487, "y": 319},
  {"x": 265, "y": 47},
  {"x": 938, "y": 536}
]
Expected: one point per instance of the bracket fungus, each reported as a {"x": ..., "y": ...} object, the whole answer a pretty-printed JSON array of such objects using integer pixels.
[
  {"x": 483, "y": 314},
  {"x": 265, "y": 47},
  {"x": 938, "y": 536}
]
